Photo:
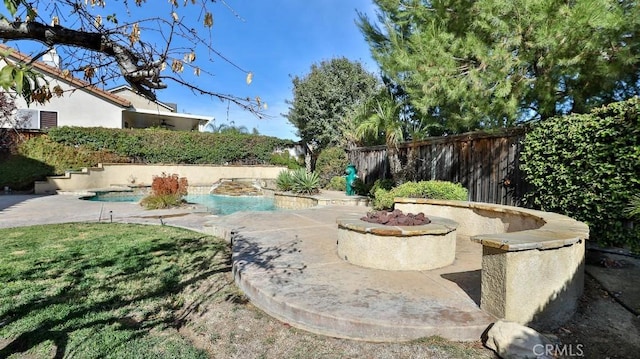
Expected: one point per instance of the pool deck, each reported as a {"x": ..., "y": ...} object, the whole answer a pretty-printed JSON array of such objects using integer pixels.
[
  {"x": 26, "y": 210},
  {"x": 286, "y": 263}
]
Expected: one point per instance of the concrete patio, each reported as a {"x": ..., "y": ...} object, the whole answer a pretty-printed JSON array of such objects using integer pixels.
[{"x": 286, "y": 263}]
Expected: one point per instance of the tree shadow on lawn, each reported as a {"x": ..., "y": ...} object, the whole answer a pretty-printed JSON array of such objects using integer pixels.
[{"x": 121, "y": 295}]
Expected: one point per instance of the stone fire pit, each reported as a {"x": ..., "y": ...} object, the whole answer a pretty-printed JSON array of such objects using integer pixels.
[{"x": 379, "y": 246}]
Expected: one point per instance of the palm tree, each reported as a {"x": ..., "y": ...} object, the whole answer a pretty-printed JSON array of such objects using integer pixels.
[
  {"x": 212, "y": 128},
  {"x": 228, "y": 128},
  {"x": 234, "y": 129},
  {"x": 380, "y": 118}
]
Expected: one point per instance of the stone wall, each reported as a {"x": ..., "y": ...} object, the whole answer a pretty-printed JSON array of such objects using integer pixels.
[
  {"x": 292, "y": 201},
  {"x": 297, "y": 201}
]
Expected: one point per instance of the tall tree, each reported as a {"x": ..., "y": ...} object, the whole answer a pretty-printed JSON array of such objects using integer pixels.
[
  {"x": 324, "y": 97},
  {"x": 103, "y": 40},
  {"x": 490, "y": 63}
]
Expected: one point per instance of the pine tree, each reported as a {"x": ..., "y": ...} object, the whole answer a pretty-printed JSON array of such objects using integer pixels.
[{"x": 490, "y": 63}]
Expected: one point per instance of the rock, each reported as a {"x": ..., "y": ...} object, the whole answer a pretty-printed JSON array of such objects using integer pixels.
[
  {"x": 514, "y": 341},
  {"x": 233, "y": 188},
  {"x": 396, "y": 218}
]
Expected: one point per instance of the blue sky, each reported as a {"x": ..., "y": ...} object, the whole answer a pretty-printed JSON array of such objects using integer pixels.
[{"x": 275, "y": 39}]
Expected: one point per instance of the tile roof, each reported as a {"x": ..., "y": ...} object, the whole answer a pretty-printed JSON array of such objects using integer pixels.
[{"x": 57, "y": 73}]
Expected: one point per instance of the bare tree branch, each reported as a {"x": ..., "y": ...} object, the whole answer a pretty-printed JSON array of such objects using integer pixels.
[
  {"x": 253, "y": 106},
  {"x": 142, "y": 75},
  {"x": 97, "y": 42}
]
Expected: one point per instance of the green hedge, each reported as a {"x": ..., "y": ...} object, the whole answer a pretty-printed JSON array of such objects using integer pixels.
[
  {"x": 383, "y": 199},
  {"x": 63, "y": 157},
  {"x": 331, "y": 162},
  {"x": 286, "y": 160},
  {"x": 163, "y": 146},
  {"x": 587, "y": 166},
  {"x": 19, "y": 172}
]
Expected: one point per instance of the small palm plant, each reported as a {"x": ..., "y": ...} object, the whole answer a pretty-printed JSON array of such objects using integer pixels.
[{"x": 381, "y": 116}]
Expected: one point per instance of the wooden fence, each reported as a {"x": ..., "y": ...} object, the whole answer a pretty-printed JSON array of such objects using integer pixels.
[{"x": 487, "y": 164}]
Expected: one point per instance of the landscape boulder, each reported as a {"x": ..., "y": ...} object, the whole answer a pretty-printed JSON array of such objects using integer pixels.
[{"x": 514, "y": 341}]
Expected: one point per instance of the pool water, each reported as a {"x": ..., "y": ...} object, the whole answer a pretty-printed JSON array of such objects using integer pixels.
[{"x": 216, "y": 204}]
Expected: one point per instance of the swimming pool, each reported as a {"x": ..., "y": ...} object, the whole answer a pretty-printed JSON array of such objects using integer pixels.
[{"x": 216, "y": 204}]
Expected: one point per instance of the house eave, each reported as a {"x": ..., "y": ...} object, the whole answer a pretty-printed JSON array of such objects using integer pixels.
[{"x": 176, "y": 115}]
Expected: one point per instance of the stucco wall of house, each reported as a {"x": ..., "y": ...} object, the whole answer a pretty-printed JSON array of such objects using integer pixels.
[
  {"x": 86, "y": 106},
  {"x": 140, "y": 102},
  {"x": 78, "y": 107}
]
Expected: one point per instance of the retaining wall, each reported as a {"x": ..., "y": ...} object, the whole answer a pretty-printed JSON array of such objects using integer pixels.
[{"x": 107, "y": 175}]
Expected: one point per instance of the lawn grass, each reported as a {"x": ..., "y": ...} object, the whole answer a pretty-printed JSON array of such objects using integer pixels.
[
  {"x": 131, "y": 291},
  {"x": 100, "y": 290}
]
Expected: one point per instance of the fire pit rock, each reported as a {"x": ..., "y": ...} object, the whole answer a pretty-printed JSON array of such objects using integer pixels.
[
  {"x": 396, "y": 218},
  {"x": 397, "y": 247}
]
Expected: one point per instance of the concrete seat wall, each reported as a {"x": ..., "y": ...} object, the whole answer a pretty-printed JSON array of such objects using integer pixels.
[{"x": 532, "y": 261}]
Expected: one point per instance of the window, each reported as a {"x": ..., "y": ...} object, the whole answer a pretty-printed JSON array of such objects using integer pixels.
[
  {"x": 48, "y": 119},
  {"x": 30, "y": 119}
]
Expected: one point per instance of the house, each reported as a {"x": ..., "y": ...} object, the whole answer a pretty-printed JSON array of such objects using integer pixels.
[{"x": 85, "y": 105}]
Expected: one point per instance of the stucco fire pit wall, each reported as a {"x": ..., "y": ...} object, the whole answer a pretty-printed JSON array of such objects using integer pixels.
[
  {"x": 532, "y": 261},
  {"x": 379, "y": 246}
]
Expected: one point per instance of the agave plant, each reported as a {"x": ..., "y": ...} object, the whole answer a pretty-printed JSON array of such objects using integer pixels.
[
  {"x": 284, "y": 180},
  {"x": 304, "y": 182}
]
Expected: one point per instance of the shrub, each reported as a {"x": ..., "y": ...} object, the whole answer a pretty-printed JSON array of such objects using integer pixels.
[
  {"x": 331, "y": 162},
  {"x": 337, "y": 183},
  {"x": 305, "y": 182},
  {"x": 163, "y": 146},
  {"x": 166, "y": 191},
  {"x": 383, "y": 199},
  {"x": 19, "y": 172},
  {"x": 62, "y": 157},
  {"x": 369, "y": 190},
  {"x": 386, "y": 184},
  {"x": 284, "y": 180},
  {"x": 169, "y": 184},
  {"x": 284, "y": 159},
  {"x": 633, "y": 209},
  {"x": 361, "y": 188},
  {"x": 161, "y": 201},
  {"x": 586, "y": 166}
]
